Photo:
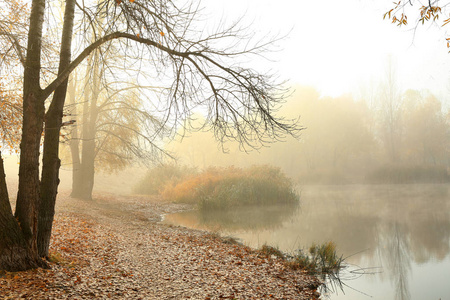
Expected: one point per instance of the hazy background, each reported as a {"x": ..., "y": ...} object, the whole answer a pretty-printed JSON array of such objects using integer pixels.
[
  {"x": 338, "y": 46},
  {"x": 386, "y": 135},
  {"x": 372, "y": 97}
]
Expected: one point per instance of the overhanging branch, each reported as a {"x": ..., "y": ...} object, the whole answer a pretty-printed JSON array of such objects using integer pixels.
[{"x": 116, "y": 35}]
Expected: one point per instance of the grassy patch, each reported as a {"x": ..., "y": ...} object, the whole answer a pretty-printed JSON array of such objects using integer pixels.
[
  {"x": 267, "y": 250},
  {"x": 320, "y": 259}
]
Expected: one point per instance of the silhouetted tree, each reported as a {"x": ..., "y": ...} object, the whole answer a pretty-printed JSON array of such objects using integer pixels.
[{"x": 239, "y": 102}]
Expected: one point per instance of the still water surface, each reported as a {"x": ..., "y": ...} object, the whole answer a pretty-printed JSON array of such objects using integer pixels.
[{"x": 398, "y": 235}]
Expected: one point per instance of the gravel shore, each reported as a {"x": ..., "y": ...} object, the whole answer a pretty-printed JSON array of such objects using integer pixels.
[{"x": 114, "y": 248}]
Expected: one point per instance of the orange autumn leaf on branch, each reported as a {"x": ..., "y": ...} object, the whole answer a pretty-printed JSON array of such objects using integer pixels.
[
  {"x": 10, "y": 118},
  {"x": 427, "y": 13},
  {"x": 13, "y": 25}
]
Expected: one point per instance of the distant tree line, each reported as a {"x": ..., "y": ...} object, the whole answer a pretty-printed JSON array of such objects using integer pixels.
[{"x": 383, "y": 136}]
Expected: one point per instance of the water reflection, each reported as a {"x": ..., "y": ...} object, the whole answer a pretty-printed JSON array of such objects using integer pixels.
[
  {"x": 247, "y": 218},
  {"x": 403, "y": 229},
  {"x": 396, "y": 258}
]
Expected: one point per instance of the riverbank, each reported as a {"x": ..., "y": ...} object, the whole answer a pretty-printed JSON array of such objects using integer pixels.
[{"x": 114, "y": 248}]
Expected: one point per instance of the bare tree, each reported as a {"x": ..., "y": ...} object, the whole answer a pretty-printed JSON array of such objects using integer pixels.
[
  {"x": 240, "y": 102},
  {"x": 115, "y": 127}
]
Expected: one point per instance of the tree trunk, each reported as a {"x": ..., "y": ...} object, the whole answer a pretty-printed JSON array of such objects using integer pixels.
[
  {"x": 83, "y": 180},
  {"x": 88, "y": 169},
  {"x": 14, "y": 252},
  {"x": 83, "y": 188},
  {"x": 33, "y": 118},
  {"x": 74, "y": 143},
  {"x": 78, "y": 173},
  {"x": 28, "y": 194},
  {"x": 87, "y": 166},
  {"x": 53, "y": 121},
  {"x": 84, "y": 174},
  {"x": 76, "y": 167}
]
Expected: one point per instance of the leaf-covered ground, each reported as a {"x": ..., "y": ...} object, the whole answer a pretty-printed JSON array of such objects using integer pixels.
[{"x": 113, "y": 248}]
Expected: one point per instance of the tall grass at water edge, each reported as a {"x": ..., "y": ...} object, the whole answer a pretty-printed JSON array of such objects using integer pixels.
[{"x": 321, "y": 259}]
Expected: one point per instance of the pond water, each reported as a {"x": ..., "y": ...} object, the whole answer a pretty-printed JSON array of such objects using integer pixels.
[{"x": 397, "y": 236}]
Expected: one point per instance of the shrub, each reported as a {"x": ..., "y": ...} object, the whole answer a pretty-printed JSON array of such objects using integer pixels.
[{"x": 218, "y": 188}]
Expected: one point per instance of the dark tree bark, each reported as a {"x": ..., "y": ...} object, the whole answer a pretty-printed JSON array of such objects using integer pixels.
[
  {"x": 33, "y": 117},
  {"x": 53, "y": 121},
  {"x": 15, "y": 255}
]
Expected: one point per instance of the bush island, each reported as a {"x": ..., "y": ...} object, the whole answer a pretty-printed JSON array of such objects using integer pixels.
[{"x": 218, "y": 188}]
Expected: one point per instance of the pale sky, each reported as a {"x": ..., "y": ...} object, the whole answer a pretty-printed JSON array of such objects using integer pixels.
[{"x": 337, "y": 45}]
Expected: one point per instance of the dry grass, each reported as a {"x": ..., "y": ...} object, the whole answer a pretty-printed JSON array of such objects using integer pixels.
[{"x": 219, "y": 188}]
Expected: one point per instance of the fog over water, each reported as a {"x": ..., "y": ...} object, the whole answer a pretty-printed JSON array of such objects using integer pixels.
[
  {"x": 373, "y": 175},
  {"x": 398, "y": 235}
]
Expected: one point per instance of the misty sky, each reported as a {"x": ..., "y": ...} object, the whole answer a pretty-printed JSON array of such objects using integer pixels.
[{"x": 336, "y": 46}]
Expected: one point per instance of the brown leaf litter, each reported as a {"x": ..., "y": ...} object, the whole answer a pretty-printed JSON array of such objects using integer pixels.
[{"x": 114, "y": 248}]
